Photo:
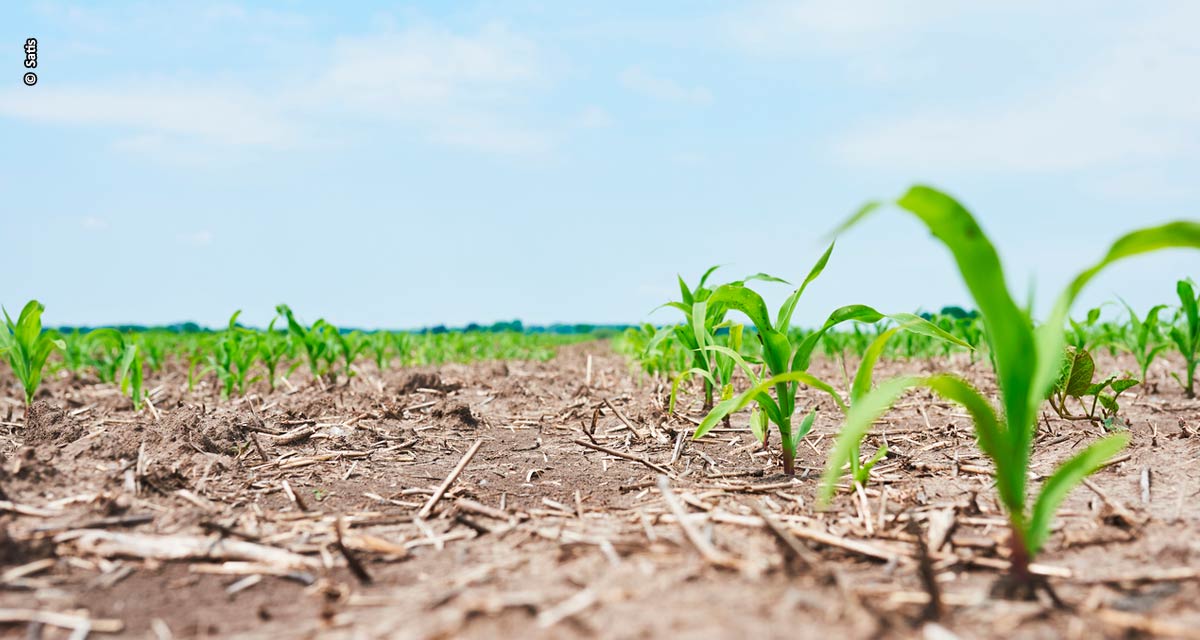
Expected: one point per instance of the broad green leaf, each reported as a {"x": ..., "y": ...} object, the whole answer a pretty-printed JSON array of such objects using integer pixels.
[
  {"x": 1067, "y": 477},
  {"x": 1078, "y": 372},
  {"x": 746, "y": 301},
  {"x": 1119, "y": 386}
]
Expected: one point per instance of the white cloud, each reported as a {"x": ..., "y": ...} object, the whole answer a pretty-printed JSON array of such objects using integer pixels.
[
  {"x": 778, "y": 27},
  {"x": 1132, "y": 105},
  {"x": 459, "y": 89},
  {"x": 220, "y": 115},
  {"x": 646, "y": 83}
]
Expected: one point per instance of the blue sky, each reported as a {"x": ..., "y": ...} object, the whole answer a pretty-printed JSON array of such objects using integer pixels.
[{"x": 388, "y": 164}]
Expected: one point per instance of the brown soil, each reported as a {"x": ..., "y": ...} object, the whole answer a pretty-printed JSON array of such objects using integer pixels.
[{"x": 569, "y": 541}]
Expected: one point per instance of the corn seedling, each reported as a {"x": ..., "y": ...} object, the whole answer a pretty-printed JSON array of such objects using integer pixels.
[
  {"x": 272, "y": 347},
  {"x": 1186, "y": 335},
  {"x": 349, "y": 346},
  {"x": 233, "y": 357},
  {"x": 131, "y": 373},
  {"x": 1142, "y": 338},
  {"x": 27, "y": 347},
  {"x": 1028, "y": 362},
  {"x": 787, "y": 363},
  {"x": 1083, "y": 334},
  {"x": 311, "y": 339},
  {"x": 701, "y": 320},
  {"x": 380, "y": 346}
]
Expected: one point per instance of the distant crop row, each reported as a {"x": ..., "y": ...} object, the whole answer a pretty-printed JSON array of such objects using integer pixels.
[
  {"x": 238, "y": 357},
  {"x": 1034, "y": 363}
]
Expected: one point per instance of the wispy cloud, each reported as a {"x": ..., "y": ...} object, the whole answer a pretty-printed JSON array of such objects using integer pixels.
[
  {"x": 780, "y": 27},
  {"x": 643, "y": 82},
  {"x": 218, "y": 114},
  {"x": 458, "y": 88},
  {"x": 1130, "y": 106}
]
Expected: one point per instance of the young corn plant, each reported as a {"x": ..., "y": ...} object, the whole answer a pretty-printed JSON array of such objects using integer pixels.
[
  {"x": 379, "y": 344},
  {"x": 233, "y": 357},
  {"x": 701, "y": 320},
  {"x": 1186, "y": 335},
  {"x": 27, "y": 347},
  {"x": 1142, "y": 338},
  {"x": 312, "y": 339},
  {"x": 787, "y": 362},
  {"x": 1028, "y": 362},
  {"x": 272, "y": 347},
  {"x": 131, "y": 372},
  {"x": 349, "y": 346}
]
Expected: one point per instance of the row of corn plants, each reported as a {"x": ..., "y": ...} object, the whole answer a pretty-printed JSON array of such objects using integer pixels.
[
  {"x": 1036, "y": 364},
  {"x": 236, "y": 358}
]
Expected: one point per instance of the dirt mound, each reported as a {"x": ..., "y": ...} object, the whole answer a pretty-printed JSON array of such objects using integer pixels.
[
  {"x": 411, "y": 382},
  {"x": 456, "y": 414},
  {"x": 190, "y": 430},
  {"x": 48, "y": 424}
]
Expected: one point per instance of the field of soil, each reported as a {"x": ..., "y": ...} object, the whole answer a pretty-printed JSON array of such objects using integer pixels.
[{"x": 522, "y": 499}]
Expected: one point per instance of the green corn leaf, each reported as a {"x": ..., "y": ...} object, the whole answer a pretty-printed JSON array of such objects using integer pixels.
[
  {"x": 776, "y": 350},
  {"x": 791, "y": 440},
  {"x": 1009, "y": 332},
  {"x": 1063, "y": 480},
  {"x": 704, "y": 278},
  {"x": 680, "y": 379},
  {"x": 757, "y": 392},
  {"x": 758, "y": 423},
  {"x": 1187, "y": 299},
  {"x": 685, "y": 293},
  {"x": 726, "y": 407},
  {"x": 746, "y": 301},
  {"x": 784, "y": 319},
  {"x": 859, "y": 418},
  {"x": 764, "y": 277},
  {"x": 859, "y": 312},
  {"x": 863, "y": 472},
  {"x": 737, "y": 358},
  {"x": 862, "y": 378}
]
